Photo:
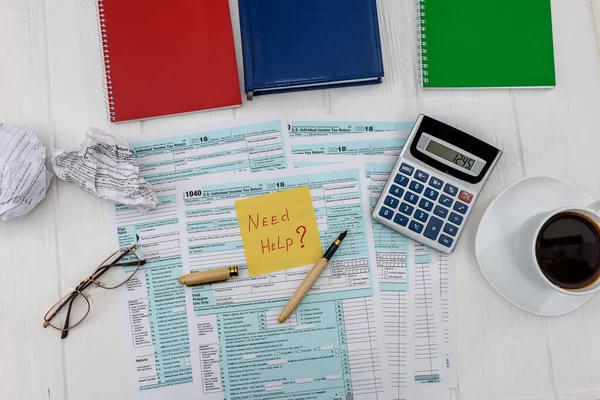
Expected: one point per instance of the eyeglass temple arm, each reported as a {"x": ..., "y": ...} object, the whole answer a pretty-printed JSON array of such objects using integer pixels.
[
  {"x": 65, "y": 331},
  {"x": 127, "y": 264},
  {"x": 101, "y": 270}
]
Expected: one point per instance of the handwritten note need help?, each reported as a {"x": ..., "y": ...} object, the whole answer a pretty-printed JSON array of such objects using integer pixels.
[{"x": 279, "y": 230}]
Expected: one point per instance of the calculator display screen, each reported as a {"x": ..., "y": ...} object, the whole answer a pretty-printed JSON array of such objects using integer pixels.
[{"x": 451, "y": 155}]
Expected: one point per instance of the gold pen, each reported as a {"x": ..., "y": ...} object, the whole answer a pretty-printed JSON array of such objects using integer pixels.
[
  {"x": 210, "y": 276},
  {"x": 310, "y": 279}
]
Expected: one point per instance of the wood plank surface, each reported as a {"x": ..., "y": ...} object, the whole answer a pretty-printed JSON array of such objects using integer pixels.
[{"x": 51, "y": 80}]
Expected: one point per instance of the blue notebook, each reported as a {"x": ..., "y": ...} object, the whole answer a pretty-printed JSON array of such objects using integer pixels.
[{"x": 309, "y": 44}]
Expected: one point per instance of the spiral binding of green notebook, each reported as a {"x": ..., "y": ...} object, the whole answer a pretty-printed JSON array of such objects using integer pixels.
[{"x": 486, "y": 44}]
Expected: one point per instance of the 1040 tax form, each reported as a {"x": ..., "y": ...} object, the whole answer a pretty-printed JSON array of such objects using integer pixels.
[{"x": 333, "y": 346}]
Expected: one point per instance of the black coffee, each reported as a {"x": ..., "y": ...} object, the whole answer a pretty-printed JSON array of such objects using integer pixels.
[{"x": 568, "y": 250}]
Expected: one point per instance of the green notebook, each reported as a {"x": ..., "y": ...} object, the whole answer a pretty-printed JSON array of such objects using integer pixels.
[{"x": 486, "y": 44}]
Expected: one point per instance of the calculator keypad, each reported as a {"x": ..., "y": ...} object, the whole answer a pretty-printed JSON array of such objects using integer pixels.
[{"x": 437, "y": 216}]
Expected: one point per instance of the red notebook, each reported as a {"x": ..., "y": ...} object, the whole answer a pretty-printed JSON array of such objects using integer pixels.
[{"x": 167, "y": 57}]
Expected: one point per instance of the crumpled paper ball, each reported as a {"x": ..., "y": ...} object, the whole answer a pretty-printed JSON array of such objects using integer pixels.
[
  {"x": 105, "y": 166},
  {"x": 24, "y": 178}
]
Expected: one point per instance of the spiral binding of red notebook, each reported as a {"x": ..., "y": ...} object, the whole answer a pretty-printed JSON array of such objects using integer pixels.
[{"x": 167, "y": 57}]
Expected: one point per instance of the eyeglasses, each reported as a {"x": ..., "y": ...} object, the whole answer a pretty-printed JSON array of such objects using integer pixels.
[{"x": 73, "y": 308}]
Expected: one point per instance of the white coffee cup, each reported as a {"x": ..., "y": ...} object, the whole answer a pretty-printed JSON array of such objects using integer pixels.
[{"x": 525, "y": 242}]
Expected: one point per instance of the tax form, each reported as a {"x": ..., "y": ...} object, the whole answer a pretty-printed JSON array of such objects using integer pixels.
[
  {"x": 333, "y": 345},
  {"x": 392, "y": 251},
  {"x": 156, "y": 324},
  {"x": 442, "y": 300}
]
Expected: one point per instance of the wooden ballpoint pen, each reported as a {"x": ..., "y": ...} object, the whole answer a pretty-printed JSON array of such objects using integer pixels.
[{"x": 310, "y": 279}]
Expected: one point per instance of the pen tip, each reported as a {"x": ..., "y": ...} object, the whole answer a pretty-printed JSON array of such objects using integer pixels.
[
  {"x": 281, "y": 319},
  {"x": 343, "y": 235}
]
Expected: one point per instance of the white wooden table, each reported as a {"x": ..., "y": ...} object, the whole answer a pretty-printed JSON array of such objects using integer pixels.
[{"x": 51, "y": 80}]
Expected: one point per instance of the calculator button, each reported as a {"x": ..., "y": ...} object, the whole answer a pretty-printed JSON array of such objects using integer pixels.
[
  {"x": 460, "y": 207},
  {"x": 450, "y": 229},
  {"x": 436, "y": 183},
  {"x": 422, "y": 176},
  {"x": 451, "y": 190},
  {"x": 445, "y": 240},
  {"x": 445, "y": 200},
  {"x": 396, "y": 190},
  {"x": 406, "y": 169},
  {"x": 406, "y": 209},
  {"x": 430, "y": 193},
  {"x": 411, "y": 198},
  {"x": 455, "y": 218},
  {"x": 426, "y": 204},
  {"x": 433, "y": 228},
  {"x": 465, "y": 196},
  {"x": 401, "y": 180},
  {"x": 421, "y": 216},
  {"x": 440, "y": 211},
  {"x": 415, "y": 226},
  {"x": 416, "y": 186},
  {"x": 401, "y": 220},
  {"x": 391, "y": 201},
  {"x": 386, "y": 213}
]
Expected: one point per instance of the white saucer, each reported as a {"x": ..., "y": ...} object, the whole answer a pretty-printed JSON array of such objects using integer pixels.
[{"x": 495, "y": 237}]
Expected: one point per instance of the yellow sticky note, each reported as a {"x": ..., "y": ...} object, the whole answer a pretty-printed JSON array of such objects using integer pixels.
[{"x": 279, "y": 230}]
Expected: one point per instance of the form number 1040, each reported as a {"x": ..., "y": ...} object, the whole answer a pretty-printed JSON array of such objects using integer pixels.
[{"x": 192, "y": 193}]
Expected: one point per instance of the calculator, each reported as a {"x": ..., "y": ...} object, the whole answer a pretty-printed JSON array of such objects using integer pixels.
[{"x": 435, "y": 184}]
